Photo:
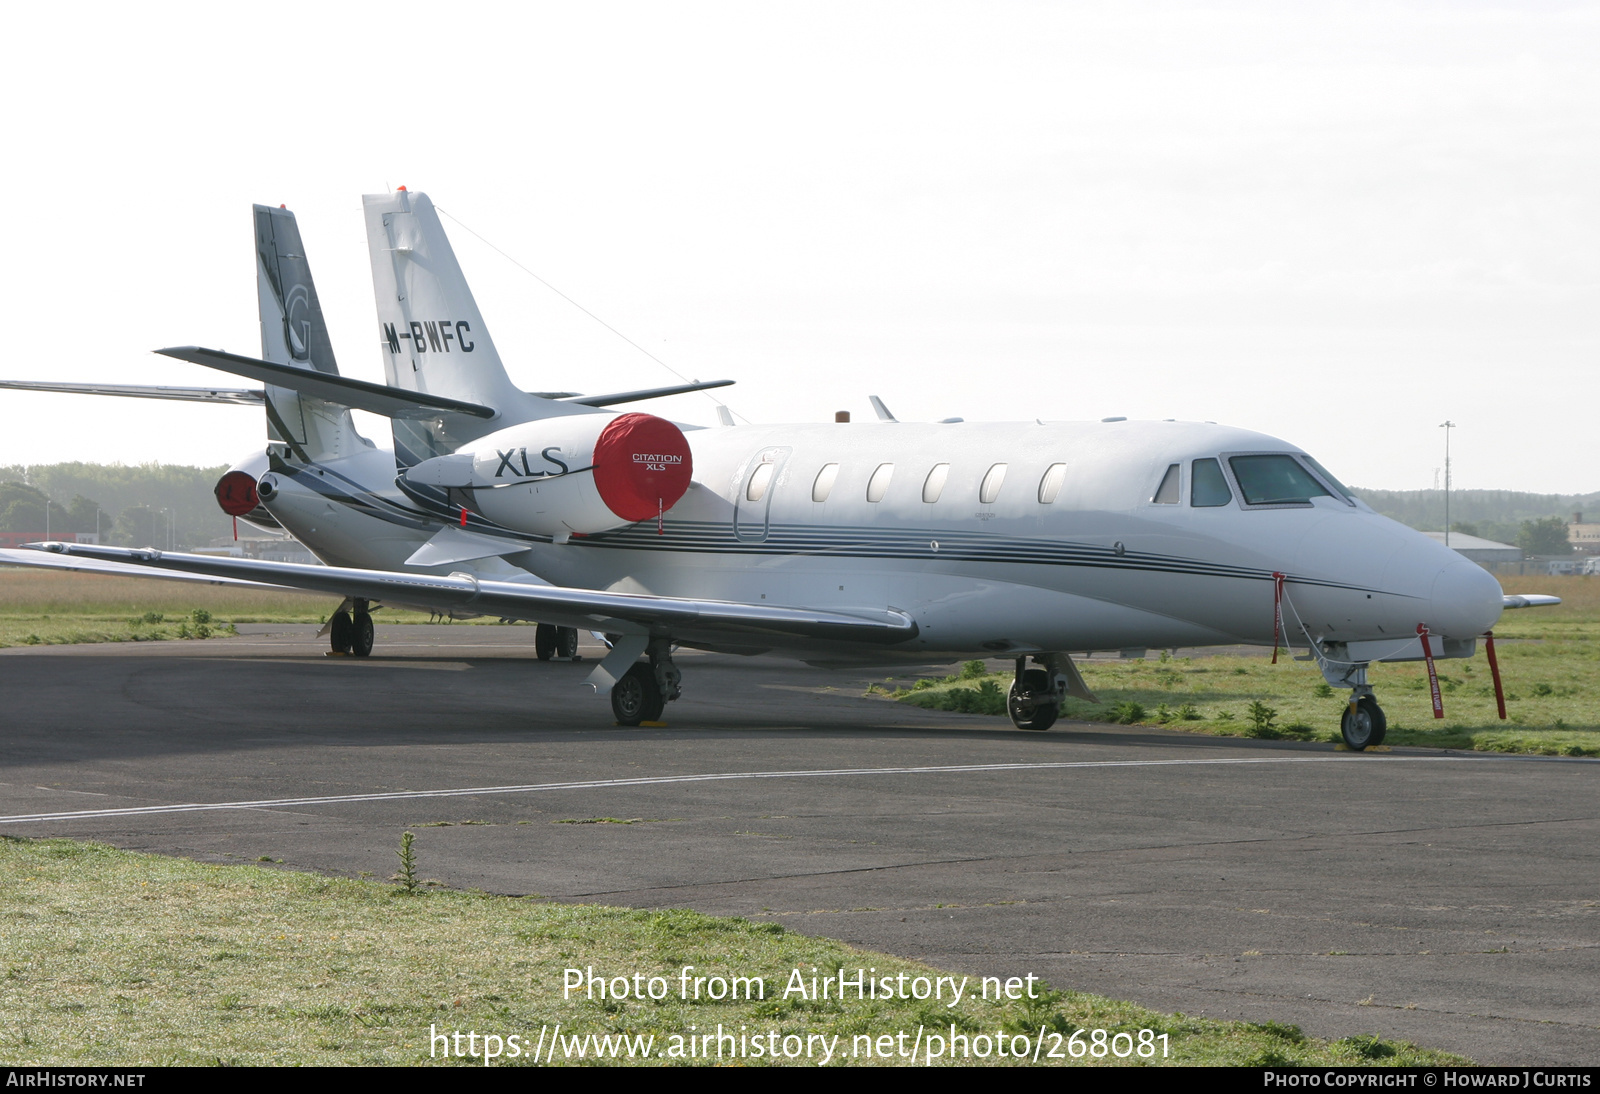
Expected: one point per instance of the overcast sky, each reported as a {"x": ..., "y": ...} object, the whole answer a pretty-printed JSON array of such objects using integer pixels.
[{"x": 1337, "y": 223}]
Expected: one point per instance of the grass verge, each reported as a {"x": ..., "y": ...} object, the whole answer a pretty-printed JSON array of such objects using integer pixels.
[
  {"x": 115, "y": 958},
  {"x": 1549, "y": 662},
  {"x": 49, "y": 607}
]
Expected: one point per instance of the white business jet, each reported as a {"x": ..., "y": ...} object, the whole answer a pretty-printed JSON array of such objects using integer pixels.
[{"x": 882, "y": 542}]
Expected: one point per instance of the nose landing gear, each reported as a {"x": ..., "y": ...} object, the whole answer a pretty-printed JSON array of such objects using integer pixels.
[{"x": 1363, "y": 725}]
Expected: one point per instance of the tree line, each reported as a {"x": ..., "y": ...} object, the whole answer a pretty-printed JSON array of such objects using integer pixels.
[{"x": 137, "y": 506}]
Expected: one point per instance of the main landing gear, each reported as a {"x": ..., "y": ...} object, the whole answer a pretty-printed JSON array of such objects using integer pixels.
[
  {"x": 350, "y": 632},
  {"x": 1033, "y": 703},
  {"x": 642, "y": 693},
  {"x": 552, "y": 641},
  {"x": 1035, "y": 699}
]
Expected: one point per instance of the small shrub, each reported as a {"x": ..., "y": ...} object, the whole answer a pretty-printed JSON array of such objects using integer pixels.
[
  {"x": 1128, "y": 713},
  {"x": 407, "y": 876},
  {"x": 1261, "y": 719},
  {"x": 1323, "y": 691},
  {"x": 1189, "y": 714},
  {"x": 974, "y": 669}
]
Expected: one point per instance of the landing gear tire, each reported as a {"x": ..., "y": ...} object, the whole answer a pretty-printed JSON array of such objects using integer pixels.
[
  {"x": 361, "y": 634},
  {"x": 636, "y": 697},
  {"x": 544, "y": 641},
  {"x": 1032, "y": 706},
  {"x": 567, "y": 642},
  {"x": 1364, "y": 725},
  {"x": 341, "y": 632}
]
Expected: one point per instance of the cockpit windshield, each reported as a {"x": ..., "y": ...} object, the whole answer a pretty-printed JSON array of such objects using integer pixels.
[{"x": 1275, "y": 480}]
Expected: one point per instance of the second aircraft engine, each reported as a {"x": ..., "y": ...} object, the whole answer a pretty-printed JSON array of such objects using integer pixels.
[{"x": 577, "y": 474}]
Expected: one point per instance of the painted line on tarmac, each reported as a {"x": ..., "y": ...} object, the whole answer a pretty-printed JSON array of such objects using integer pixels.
[{"x": 666, "y": 780}]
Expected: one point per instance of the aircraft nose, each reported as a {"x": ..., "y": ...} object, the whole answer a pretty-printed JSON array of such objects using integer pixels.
[{"x": 1466, "y": 600}]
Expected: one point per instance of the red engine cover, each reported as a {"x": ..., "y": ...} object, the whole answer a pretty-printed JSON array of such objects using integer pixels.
[
  {"x": 642, "y": 466},
  {"x": 236, "y": 493}
]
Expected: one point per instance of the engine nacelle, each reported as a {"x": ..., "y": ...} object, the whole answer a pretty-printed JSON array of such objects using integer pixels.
[
  {"x": 582, "y": 473},
  {"x": 237, "y": 495}
]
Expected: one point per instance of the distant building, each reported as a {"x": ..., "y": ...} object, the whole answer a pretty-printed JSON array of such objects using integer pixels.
[
  {"x": 1485, "y": 552},
  {"x": 17, "y": 539},
  {"x": 269, "y": 548},
  {"x": 1583, "y": 537}
]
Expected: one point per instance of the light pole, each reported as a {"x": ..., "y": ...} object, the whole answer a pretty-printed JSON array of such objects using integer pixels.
[{"x": 1447, "y": 426}]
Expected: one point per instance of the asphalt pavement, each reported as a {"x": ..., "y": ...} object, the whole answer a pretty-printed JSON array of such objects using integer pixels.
[{"x": 1444, "y": 898}]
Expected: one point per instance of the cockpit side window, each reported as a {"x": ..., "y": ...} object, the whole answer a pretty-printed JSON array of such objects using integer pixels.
[
  {"x": 1275, "y": 480},
  {"x": 1338, "y": 487},
  {"x": 1207, "y": 486},
  {"x": 1167, "y": 492}
]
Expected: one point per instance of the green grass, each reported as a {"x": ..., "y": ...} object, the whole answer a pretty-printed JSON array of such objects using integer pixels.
[
  {"x": 1549, "y": 662},
  {"x": 50, "y": 607},
  {"x": 115, "y": 958}
]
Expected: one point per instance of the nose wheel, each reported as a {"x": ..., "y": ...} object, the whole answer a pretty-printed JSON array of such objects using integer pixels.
[{"x": 1363, "y": 725}]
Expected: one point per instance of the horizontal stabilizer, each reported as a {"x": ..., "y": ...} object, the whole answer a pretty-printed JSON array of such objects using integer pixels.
[
  {"x": 1530, "y": 600},
  {"x": 686, "y": 620},
  {"x": 640, "y": 395},
  {"x": 390, "y": 402},
  {"x": 235, "y": 395}
]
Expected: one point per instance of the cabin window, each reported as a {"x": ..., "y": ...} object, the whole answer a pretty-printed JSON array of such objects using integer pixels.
[
  {"x": 824, "y": 484},
  {"x": 933, "y": 486},
  {"x": 756, "y": 489},
  {"x": 1167, "y": 492},
  {"x": 1050, "y": 485},
  {"x": 1207, "y": 487},
  {"x": 1275, "y": 480},
  {"x": 990, "y": 490},
  {"x": 878, "y": 485}
]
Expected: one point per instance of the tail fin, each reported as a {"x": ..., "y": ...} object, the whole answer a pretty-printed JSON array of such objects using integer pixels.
[
  {"x": 432, "y": 336},
  {"x": 293, "y": 333}
]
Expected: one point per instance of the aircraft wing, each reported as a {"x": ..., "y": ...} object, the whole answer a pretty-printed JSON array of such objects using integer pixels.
[
  {"x": 685, "y": 620},
  {"x": 51, "y": 561},
  {"x": 237, "y": 395},
  {"x": 1530, "y": 600}
]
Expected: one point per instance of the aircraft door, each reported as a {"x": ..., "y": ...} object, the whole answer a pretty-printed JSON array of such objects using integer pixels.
[{"x": 753, "y": 488}]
